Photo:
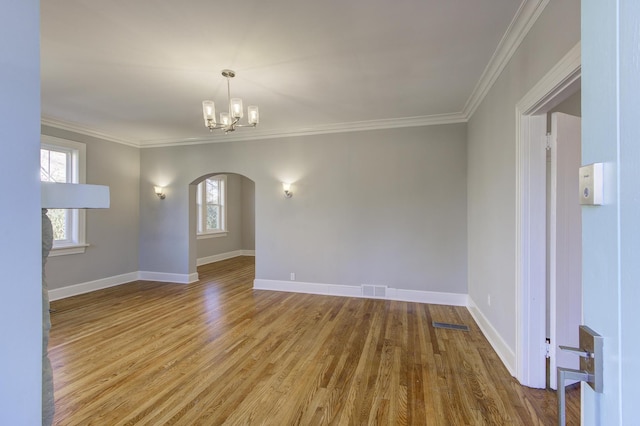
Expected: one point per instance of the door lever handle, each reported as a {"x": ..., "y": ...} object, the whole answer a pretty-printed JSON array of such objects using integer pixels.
[
  {"x": 590, "y": 366},
  {"x": 580, "y": 352},
  {"x": 568, "y": 374}
]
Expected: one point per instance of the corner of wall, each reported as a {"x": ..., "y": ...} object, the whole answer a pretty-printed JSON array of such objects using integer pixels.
[{"x": 506, "y": 354}]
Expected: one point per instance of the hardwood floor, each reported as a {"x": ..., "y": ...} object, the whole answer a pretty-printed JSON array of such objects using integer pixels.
[{"x": 219, "y": 352}]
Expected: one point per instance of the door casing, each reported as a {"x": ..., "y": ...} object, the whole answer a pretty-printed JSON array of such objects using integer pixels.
[{"x": 559, "y": 83}]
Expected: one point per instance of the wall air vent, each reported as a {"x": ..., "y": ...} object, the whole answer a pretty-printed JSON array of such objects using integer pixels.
[{"x": 376, "y": 291}]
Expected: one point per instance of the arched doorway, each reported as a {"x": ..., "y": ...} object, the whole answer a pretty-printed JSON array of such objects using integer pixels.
[{"x": 221, "y": 218}]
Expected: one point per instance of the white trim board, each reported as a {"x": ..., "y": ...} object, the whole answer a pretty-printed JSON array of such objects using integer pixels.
[
  {"x": 507, "y": 356},
  {"x": 166, "y": 277},
  {"x": 224, "y": 256},
  {"x": 82, "y": 288},
  {"x": 88, "y": 287},
  {"x": 436, "y": 298}
]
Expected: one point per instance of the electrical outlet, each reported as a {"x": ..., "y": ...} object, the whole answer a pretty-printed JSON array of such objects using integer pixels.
[
  {"x": 488, "y": 299},
  {"x": 292, "y": 276}
]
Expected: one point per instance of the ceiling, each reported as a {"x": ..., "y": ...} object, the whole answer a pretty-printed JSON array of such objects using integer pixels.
[{"x": 137, "y": 71}]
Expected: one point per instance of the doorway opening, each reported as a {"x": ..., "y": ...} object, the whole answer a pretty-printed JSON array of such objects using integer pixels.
[
  {"x": 221, "y": 218},
  {"x": 560, "y": 83}
]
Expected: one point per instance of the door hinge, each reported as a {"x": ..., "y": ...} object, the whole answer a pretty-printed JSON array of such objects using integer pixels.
[
  {"x": 548, "y": 142},
  {"x": 547, "y": 348}
]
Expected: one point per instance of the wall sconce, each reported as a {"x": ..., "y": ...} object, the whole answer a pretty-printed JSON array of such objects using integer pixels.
[
  {"x": 287, "y": 190},
  {"x": 159, "y": 192}
]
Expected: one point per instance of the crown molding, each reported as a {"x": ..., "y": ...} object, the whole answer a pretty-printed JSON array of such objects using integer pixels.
[
  {"x": 83, "y": 130},
  {"x": 357, "y": 126},
  {"x": 251, "y": 134},
  {"x": 522, "y": 22}
]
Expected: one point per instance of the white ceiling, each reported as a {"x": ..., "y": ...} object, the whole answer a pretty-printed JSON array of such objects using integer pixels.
[{"x": 137, "y": 71}]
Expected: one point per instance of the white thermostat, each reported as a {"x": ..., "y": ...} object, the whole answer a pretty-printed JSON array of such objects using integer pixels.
[{"x": 591, "y": 184}]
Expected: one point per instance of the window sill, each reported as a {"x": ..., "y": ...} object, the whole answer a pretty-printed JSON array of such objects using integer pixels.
[
  {"x": 211, "y": 235},
  {"x": 68, "y": 249}
]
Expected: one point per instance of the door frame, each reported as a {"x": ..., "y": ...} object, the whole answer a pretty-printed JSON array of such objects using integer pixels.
[{"x": 560, "y": 82}]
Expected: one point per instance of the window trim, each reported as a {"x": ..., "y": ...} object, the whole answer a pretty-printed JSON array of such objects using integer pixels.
[
  {"x": 78, "y": 152},
  {"x": 201, "y": 211}
]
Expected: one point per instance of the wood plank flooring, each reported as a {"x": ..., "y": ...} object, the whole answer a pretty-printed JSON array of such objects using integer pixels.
[{"x": 218, "y": 352}]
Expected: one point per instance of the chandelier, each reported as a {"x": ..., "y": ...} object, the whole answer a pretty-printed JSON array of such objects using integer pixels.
[{"x": 231, "y": 119}]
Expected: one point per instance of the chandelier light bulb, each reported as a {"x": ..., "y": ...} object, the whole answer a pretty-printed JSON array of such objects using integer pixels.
[
  {"x": 254, "y": 116},
  {"x": 236, "y": 108},
  {"x": 209, "y": 111}
]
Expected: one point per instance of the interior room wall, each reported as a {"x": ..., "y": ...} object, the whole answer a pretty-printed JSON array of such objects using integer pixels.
[
  {"x": 384, "y": 207},
  {"x": 492, "y": 171},
  {"x": 112, "y": 234},
  {"x": 239, "y": 210},
  {"x": 21, "y": 260},
  {"x": 248, "y": 214}
]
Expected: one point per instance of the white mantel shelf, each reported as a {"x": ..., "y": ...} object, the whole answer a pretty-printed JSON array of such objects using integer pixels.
[{"x": 74, "y": 196}]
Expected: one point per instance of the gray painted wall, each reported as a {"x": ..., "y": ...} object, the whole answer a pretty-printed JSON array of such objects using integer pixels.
[
  {"x": 112, "y": 233},
  {"x": 378, "y": 207},
  {"x": 20, "y": 215},
  {"x": 248, "y": 214},
  {"x": 491, "y": 165},
  {"x": 240, "y": 211}
]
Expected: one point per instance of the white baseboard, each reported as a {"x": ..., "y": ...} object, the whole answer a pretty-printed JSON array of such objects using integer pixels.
[
  {"x": 223, "y": 256},
  {"x": 74, "y": 290},
  {"x": 356, "y": 291},
  {"x": 166, "y": 277},
  {"x": 503, "y": 350},
  {"x": 432, "y": 297}
]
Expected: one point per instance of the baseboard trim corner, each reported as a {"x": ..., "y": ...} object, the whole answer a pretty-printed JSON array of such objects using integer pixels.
[
  {"x": 224, "y": 256},
  {"x": 505, "y": 353},
  {"x": 87, "y": 287}
]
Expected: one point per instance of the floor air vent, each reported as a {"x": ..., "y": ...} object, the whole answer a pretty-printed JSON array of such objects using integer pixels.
[
  {"x": 450, "y": 326},
  {"x": 374, "y": 290}
]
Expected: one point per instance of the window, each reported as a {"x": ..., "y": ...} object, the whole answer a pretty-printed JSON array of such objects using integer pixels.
[
  {"x": 63, "y": 161},
  {"x": 211, "y": 201}
]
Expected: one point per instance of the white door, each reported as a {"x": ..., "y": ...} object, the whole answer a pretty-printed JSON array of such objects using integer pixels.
[
  {"x": 611, "y": 232},
  {"x": 565, "y": 243}
]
